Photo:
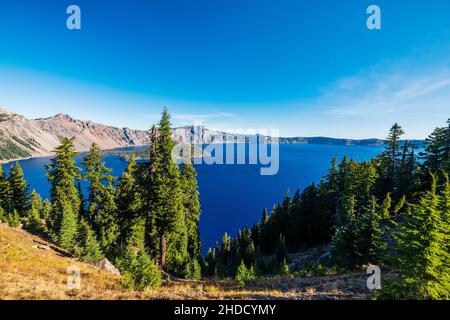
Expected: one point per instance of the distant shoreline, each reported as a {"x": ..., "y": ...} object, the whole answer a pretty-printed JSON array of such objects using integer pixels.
[
  {"x": 118, "y": 149},
  {"x": 2, "y": 162}
]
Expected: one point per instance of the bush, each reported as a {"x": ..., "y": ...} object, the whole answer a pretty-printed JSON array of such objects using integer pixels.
[
  {"x": 318, "y": 270},
  {"x": 34, "y": 223},
  {"x": 148, "y": 274},
  {"x": 243, "y": 274},
  {"x": 193, "y": 269},
  {"x": 2, "y": 215},
  {"x": 284, "y": 268},
  {"x": 13, "y": 219},
  {"x": 393, "y": 289},
  {"x": 139, "y": 270},
  {"x": 89, "y": 248}
]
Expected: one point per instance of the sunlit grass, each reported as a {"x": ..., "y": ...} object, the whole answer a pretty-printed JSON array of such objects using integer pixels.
[{"x": 33, "y": 273}]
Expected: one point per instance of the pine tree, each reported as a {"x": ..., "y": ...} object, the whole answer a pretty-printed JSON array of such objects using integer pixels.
[
  {"x": 82, "y": 212},
  {"x": 68, "y": 228},
  {"x": 328, "y": 197},
  {"x": 243, "y": 274},
  {"x": 19, "y": 190},
  {"x": 129, "y": 202},
  {"x": 137, "y": 266},
  {"x": 225, "y": 259},
  {"x": 36, "y": 201},
  {"x": 285, "y": 211},
  {"x": 314, "y": 218},
  {"x": 62, "y": 175},
  {"x": 167, "y": 212},
  {"x": 344, "y": 237},
  {"x": 281, "y": 253},
  {"x": 390, "y": 161},
  {"x": 147, "y": 182},
  {"x": 265, "y": 217},
  {"x": 256, "y": 234},
  {"x": 193, "y": 268},
  {"x": 5, "y": 192},
  {"x": 106, "y": 219},
  {"x": 444, "y": 208},
  {"x": 365, "y": 177},
  {"x": 146, "y": 272},
  {"x": 400, "y": 206},
  {"x": 34, "y": 223},
  {"x": 422, "y": 248},
  {"x": 138, "y": 269},
  {"x": 284, "y": 268},
  {"x": 369, "y": 244},
  {"x": 102, "y": 209},
  {"x": 265, "y": 241},
  {"x": 434, "y": 150},
  {"x": 2, "y": 215},
  {"x": 46, "y": 215},
  {"x": 88, "y": 247},
  {"x": 96, "y": 174},
  {"x": 435, "y": 156},
  {"x": 191, "y": 203},
  {"x": 13, "y": 219},
  {"x": 446, "y": 156},
  {"x": 245, "y": 245},
  {"x": 211, "y": 261},
  {"x": 386, "y": 207},
  {"x": 408, "y": 177}
]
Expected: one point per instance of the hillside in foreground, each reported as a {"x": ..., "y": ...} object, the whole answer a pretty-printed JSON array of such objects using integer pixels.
[{"x": 31, "y": 268}]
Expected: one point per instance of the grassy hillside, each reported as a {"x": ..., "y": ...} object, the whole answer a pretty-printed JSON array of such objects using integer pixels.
[{"x": 31, "y": 272}]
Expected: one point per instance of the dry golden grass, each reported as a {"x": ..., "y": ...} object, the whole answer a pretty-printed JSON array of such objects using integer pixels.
[{"x": 32, "y": 273}]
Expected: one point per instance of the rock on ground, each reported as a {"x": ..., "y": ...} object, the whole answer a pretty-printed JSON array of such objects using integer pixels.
[{"x": 107, "y": 266}]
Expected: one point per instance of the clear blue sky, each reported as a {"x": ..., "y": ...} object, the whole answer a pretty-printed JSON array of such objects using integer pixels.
[{"x": 305, "y": 67}]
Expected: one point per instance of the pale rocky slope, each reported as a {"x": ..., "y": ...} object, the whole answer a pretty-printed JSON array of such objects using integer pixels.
[
  {"x": 21, "y": 137},
  {"x": 38, "y": 137}
]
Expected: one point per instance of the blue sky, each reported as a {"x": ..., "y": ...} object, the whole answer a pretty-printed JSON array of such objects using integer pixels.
[{"x": 305, "y": 67}]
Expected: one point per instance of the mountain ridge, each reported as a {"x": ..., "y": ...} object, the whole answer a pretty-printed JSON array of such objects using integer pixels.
[{"x": 21, "y": 137}]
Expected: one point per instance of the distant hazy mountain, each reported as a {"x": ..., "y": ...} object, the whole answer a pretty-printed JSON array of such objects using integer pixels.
[{"x": 21, "y": 137}]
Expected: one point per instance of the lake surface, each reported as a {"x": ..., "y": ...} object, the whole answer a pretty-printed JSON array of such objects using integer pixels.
[{"x": 234, "y": 195}]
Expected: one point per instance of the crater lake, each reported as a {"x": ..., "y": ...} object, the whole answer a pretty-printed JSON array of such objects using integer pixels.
[{"x": 233, "y": 195}]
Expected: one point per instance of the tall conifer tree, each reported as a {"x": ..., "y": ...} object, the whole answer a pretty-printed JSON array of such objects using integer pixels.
[
  {"x": 129, "y": 202},
  {"x": 191, "y": 203},
  {"x": 63, "y": 175},
  {"x": 96, "y": 174},
  {"x": 369, "y": 244},
  {"x": 19, "y": 190},
  {"x": 5, "y": 192},
  {"x": 34, "y": 223},
  {"x": 422, "y": 248},
  {"x": 167, "y": 206}
]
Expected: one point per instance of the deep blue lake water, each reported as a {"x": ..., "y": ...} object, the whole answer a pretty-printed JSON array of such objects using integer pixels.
[{"x": 235, "y": 195}]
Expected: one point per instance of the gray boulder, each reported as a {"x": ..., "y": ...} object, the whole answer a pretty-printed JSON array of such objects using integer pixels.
[{"x": 107, "y": 266}]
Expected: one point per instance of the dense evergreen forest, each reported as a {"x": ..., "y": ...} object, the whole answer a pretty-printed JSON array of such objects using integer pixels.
[{"x": 393, "y": 211}]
